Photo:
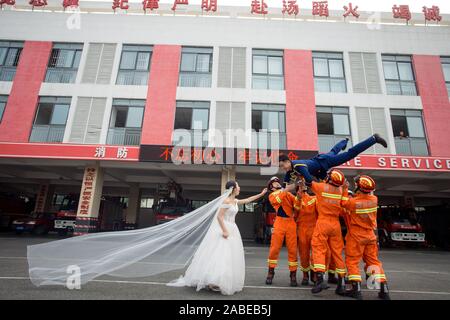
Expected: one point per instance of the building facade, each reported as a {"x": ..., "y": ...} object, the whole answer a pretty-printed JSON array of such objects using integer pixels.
[{"x": 91, "y": 101}]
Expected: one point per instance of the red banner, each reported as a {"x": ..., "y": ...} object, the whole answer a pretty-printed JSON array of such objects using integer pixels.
[
  {"x": 408, "y": 163},
  {"x": 68, "y": 151}
]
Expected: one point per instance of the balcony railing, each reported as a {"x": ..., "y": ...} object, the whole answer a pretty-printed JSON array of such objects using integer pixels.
[
  {"x": 47, "y": 133},
  {"x": 132, "y": 78},
  {"x": 263, "y": 140},
  {"x": 327, "y": 142},
  {"x": 195, "y": 79},
  {"x": 406, "y": 88},
  {"x": 56, "y": 75},
  {"x": 124, "y": 136},
  {"x": 7, "y": 73},
  {"x": 411, "y": 146}
]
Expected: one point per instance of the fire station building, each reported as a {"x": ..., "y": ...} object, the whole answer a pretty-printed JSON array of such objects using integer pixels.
[{"x": 92, "y": 100}]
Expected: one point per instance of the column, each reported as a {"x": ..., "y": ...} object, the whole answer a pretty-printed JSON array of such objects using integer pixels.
[
  {"x": 90, "y": 198},
  {"x": 134, "y": 201},
  {"x": 228, "y": 173}
]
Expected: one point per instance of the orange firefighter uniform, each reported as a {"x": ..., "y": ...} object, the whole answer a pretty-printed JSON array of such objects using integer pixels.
[
  {"x": 306, "y": 222},
  {"x": 361, "y": 241},
  {"x": 327, "y": 233},
  {"x": 283, "y": 227}
]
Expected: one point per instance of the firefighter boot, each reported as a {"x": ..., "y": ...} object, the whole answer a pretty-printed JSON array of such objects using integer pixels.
[
  {"x": 319, "y": 285},
  {"x": 293, "y": 276},
  {"x": 384, "y": 292},
  {"x": 355, "y": 291},
  {"x": 340, "y": 289},
  {"x": 332, "y": 278},
  {"x": 270, "y": 275},
  {"x": 312, "y": 276},
  {"x": 305, "y": 280}
]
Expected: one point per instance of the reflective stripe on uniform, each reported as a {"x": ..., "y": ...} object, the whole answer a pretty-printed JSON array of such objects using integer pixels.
[
  {"x": 278, "y": 199},
  {"x": 354, "y": 277},
  {"x": 331, "y": 195},
  {"x": 319, "y": 266},
  {"x": 272, "y": 261},
  {"x": 293, "y": 263},
  {"x": 340, "y": 270},
  {"x": 331, "y": 271},
  {"x": 300, "y": 164},
  {"x": 366, "y": 210},
  {"x": 305, "y": 269},
  {"x": 345, "y": 198},
  {"x": 310, "y": 202}
]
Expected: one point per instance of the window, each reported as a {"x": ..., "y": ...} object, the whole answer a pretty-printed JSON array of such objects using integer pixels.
[
  {"x": 9, "y": 59},
  {"x": 134, "y": 65},
  {"x": 399, "y": 75},
  {"x": 126, "y": 122},
  {"x": 409, "y": 132},
  {"x": 192, "y": 116},
  {"x": 147, "y": 203},
  {"x": 268, "y": 70},
  {"x": 196, "y": 67},
  {"x": 329, "y": 73},
  {"x": 269, "y": 124},
  {"x": 333, "y": 125},
  {"x": 446, "y": 69},
  {"x": 63, "y": 63},
  {"x": 3, "y": 100},
  {"x": 50, "y": 121}
]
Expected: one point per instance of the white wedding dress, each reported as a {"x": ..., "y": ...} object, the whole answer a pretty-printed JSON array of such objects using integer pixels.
[{"x": 218, "y": 261}]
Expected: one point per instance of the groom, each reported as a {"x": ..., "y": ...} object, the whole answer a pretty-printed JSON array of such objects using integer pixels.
[{"x": 320, "y": 164}]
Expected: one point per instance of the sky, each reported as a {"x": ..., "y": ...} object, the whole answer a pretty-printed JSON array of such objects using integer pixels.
[{"x": 364, "y": 5}]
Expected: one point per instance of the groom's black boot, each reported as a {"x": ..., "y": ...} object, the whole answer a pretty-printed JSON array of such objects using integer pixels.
[
  {"x": 270, "y": 275},
  {"x": 293, "y": 276},
  {"x": 380, "y": 140}
]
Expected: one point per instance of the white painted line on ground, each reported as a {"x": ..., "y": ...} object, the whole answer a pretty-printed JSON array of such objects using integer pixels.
[
  {"x": 249, "y": 287},
  {"x": 285, "y": 269}
]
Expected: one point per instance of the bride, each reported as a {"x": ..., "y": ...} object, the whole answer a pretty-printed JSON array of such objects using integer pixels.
[
  {"x": 206, "y": 239},
  {"x": 218, "y": 263}
]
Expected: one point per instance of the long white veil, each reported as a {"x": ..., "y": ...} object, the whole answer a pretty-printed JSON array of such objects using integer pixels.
[{"x": 127, "y": 254}]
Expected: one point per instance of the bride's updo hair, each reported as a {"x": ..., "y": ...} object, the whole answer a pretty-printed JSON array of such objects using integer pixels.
[{"x": 230, "y": 185}]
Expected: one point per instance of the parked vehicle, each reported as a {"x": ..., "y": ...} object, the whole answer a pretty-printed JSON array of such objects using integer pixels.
[
  {"x": 169, "y": 213},
  {"x": 399, "y": 226},
  {"x": 67, "y": 215},
  {"x": 38, "y": 223}
]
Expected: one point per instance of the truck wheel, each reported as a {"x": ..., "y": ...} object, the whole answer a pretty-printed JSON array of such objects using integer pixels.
[
  {"x": 62, "y": 232},
  {"x": 40, "y": 230},
  {"x": 384, "y": 242},
  {"x": 18, "y": 232}
]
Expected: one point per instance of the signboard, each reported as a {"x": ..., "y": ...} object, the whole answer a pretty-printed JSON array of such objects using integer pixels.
[
  {"x": 396, "y": 162},
  {"x": 68, "y": 151},
  {"x": 207, "y": 155}
]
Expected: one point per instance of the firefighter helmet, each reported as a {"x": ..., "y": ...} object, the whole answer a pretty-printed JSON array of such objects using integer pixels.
[
  {"x": 271, "y": 181},
  {"x": 335, "y": 177},
  {"x": 365, "y": 183}
]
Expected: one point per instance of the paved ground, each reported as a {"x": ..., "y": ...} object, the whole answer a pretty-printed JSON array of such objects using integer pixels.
[{"x": 413, "y": 274}]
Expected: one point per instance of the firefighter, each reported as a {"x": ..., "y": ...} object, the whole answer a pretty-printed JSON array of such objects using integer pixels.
[
  {"x": 361, "y": 240},
  {"x": 320, "y": 164},
  {"x": 305, "y": 205},
  {"x": 284, "y": 227},
  {"x": 327, "y": 233}
]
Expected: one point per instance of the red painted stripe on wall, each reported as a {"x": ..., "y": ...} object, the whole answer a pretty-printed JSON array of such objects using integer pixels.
[
  {"x": 435, "y": 101},
  {"x": 301, "y": 120},
  {"x": 160, "y": 106},
  {"x": 21, "y": 106}
]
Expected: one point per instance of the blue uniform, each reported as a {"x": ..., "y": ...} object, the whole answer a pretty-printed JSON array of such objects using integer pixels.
[{"x": 320, "y": 164}]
